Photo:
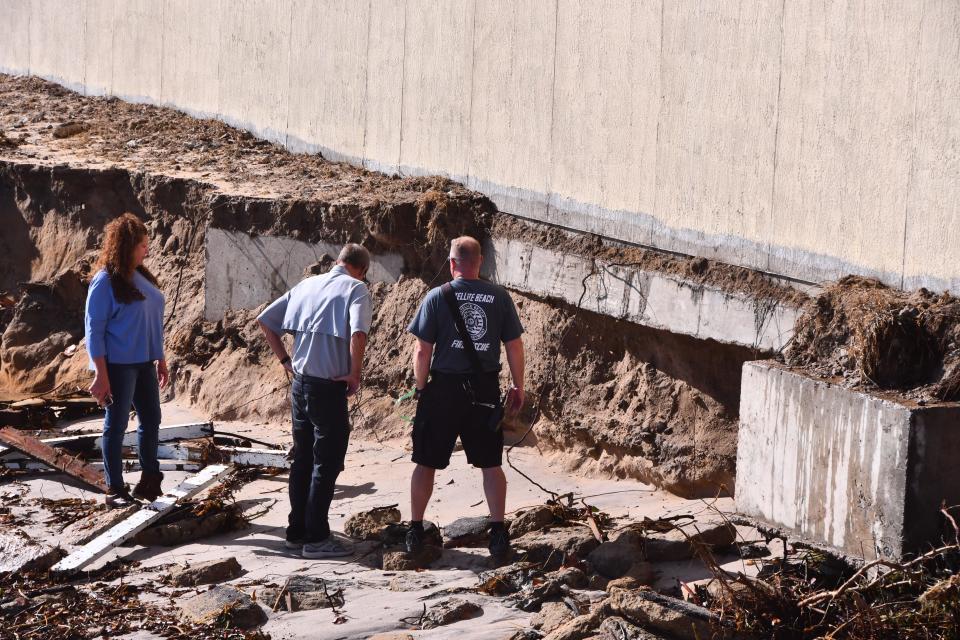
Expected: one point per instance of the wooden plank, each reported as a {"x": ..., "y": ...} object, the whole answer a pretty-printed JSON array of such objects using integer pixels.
[
  {"x": 184, "y": 431},
  {"x": 140, "y": 520},
  {"x": 64, "y": 441},
  {"x": 273, "y": 458},
  {"x": 128, "y": 465},
  {"x": 70, "y": 465}
]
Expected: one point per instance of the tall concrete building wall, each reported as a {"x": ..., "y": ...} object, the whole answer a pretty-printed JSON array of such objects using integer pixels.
[{"x": 805, "y": 138}]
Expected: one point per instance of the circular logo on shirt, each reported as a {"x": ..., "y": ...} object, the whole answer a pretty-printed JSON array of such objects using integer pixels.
[{"x": 476, "y": 320}]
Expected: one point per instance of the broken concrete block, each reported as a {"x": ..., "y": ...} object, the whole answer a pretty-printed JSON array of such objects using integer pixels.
[
  {"x": 467, "y": 532},
  {"x": 86, "y": 529},
  {"x": 397, "y": 558},
  {"x": 532, "y": 519},
  {"x": 578, "y": 628},
  {"x": 861, "y": 473},
  {"x": 674, "y": 617},
  {"x": 616, "y": 628},
  {"x": 553, "y": 545},
  {"x": 449, "y": 611},
  {"x": 19, "y": 552},
  {"x": 551, "y": 616},
  {"x": 682, "y": 543},
  {"x": 211, "y": 572},
  {"x": 224, "y": 604},
  {"x": 369, "y": 525}
]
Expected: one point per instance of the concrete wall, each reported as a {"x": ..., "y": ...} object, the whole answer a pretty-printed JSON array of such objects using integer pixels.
[
  {"x": 846, "y": 469},
  {"x": 806, "y": 138},
  {"x": 243, "y": 271}
]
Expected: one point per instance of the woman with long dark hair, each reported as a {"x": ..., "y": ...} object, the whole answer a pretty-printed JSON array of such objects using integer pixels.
[{"x": 124, "y": 329}]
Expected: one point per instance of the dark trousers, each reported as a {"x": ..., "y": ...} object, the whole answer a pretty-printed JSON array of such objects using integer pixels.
[
  {"x": 321, "y": 431},
  {"x": 131, "y": 384}
]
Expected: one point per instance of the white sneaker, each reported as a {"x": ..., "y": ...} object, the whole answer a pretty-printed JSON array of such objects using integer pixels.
[
  {"x": 329, "y": 548},
  {"x": 293, "y": 545}
]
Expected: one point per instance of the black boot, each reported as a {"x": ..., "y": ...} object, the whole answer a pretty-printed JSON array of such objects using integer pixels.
[{"x": 149, "y": 486}]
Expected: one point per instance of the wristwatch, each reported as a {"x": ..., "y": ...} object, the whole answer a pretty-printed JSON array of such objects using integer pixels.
[
  {"x": 284, "y": 360},
  {"x": 417, "y": 393}
]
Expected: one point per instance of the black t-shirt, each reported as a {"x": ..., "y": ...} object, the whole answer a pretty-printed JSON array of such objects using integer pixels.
[{"x": 490, "y": 316}]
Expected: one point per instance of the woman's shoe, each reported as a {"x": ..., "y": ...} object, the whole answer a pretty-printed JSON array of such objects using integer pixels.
[
  {"x": 149, "y": 486},
  {"x": 118, "y": 499}
]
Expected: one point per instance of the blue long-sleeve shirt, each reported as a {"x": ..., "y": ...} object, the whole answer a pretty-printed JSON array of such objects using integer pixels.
[{"x": 124, "y": 333}]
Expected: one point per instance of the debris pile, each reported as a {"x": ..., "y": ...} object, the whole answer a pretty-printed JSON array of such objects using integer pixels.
[
  {"x": 867, "y": 335},
  {"x": 42, "y": 606}
]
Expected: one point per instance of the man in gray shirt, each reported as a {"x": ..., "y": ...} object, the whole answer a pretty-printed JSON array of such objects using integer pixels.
[{"x": 329, "y": 316}]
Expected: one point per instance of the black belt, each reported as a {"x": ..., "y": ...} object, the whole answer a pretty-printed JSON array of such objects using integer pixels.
[
  {"x": 302, "y": 377},
  {"x": 443, "y": 375}
]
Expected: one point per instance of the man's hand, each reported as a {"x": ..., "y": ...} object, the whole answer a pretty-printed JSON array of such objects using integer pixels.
[
  {"x": 100, "y": 389},
  {"x": 353, "y": 383},
  {"x": 288, "y": 365},
  {"x": 515, "y": 399},
  {"x": 163, "y": 375}
]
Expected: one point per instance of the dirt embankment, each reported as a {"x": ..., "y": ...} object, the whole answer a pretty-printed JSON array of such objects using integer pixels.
[{"x": 606, "y": 396}]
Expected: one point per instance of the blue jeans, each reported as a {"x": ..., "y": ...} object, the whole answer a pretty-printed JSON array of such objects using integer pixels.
[
  {"x": 321, "y": 432},
  {"x": 131, "y": 384}
]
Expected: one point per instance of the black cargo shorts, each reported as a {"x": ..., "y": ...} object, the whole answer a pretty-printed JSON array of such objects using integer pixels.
[{"x": 446, "y": 411}]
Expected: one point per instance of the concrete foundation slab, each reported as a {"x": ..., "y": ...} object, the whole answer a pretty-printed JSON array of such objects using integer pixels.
[
  {"x": 649, "y": 298},
  {"x": 857, "y": 472},
  {"x": 243, "y": 272}
]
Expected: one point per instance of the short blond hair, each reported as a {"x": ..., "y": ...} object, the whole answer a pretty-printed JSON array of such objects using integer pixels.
[{"x": 465, "y": 250}]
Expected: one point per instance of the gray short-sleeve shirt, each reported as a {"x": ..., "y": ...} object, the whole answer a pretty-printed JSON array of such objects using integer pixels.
[
  {"x": 489, "y": 314},
  {"x": 322, "y": 312}
]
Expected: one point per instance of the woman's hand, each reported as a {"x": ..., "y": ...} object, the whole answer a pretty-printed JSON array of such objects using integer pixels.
[
  {"x": 163, "y": 376},
  {"x": 100, "y": 389}
]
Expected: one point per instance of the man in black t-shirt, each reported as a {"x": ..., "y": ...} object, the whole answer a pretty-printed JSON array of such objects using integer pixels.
[{"x": 462, "y": 397}]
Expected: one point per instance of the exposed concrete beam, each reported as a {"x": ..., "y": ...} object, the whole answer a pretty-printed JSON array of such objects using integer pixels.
[{"x": 650, "y": 298}]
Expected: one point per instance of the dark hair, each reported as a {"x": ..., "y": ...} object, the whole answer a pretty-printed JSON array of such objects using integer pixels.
[
  {"x": 355, "y": 255},
  {"x": 120, "y": 238}
]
